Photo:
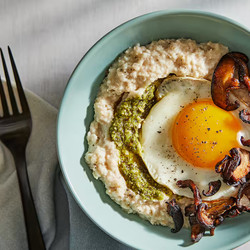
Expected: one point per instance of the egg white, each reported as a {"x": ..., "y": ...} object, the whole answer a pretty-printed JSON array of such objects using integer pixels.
[{"x": 163, "y": 163}]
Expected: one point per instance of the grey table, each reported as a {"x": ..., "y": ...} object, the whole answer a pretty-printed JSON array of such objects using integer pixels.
[{"x": 49, "y": 37}]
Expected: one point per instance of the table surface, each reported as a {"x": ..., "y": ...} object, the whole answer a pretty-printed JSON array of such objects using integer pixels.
[{"x": 49, "y": 37}]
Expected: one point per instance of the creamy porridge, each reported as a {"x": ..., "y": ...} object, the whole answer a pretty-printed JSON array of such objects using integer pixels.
[{"x": 131, "y": 79}]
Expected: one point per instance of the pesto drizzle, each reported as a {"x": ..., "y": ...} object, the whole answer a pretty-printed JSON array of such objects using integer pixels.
[{"x": 124, "y": 131}]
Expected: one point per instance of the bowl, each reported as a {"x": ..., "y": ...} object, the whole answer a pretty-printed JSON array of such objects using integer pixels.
[{"x": 76, "y": 113}]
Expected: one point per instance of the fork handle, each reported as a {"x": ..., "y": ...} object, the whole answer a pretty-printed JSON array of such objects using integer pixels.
[{"x": 34, "y": 234}]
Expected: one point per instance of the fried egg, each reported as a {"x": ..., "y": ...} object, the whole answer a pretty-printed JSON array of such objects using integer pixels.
[{"x": 185, "y": 134}]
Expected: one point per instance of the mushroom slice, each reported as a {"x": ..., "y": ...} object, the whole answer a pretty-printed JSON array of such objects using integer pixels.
[
  {"x": 243, "y": 73},
  {"x": 245, "y": 116},
  {"x": 204, "y": 217},
  {"x": 190, "y": 210},
  {"x": 224, "y": 80},
  {"x": 213, "y": 188},
  {"x": 245, "y": 142},
  {"x": 243, "y": 198},
  {"x": 197, "y": 230},
  {"x": 217, "y": 208},
  {"x": 234, "y": 168},
  {"x": 239, "y": 55},
  {"x": 175, "y": 212},
  {"x": 190, "y": 184},
  {"x": 231, "y": 73}
]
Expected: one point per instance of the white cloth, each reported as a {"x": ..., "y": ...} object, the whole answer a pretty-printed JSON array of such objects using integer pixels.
[{"x": 42, "y": 163}]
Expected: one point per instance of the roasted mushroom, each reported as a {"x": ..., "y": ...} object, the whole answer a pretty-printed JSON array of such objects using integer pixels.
[
  {"x": 245, "y": 142},
  {"x": 234, "y": 168},
  {"x": 231, "y": 73},
  {"x": 203, "y": 216},
  {"x": 199, "y": 219},
  {"x": 213, "y": 188},
  {"x": 190, "y": 184},
  {"x": 243, "y": 198},
  {"x": 245, "y": 116},
  {"x": 175, "y": 212},
  {"x": 242, "y": 61},
  {"x": 217, "y": 208},
  {"x": 197, "y": 230},
  {"x": 207, "y": 215}
]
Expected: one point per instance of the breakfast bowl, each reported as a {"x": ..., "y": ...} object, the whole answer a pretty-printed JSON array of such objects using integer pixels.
[{"x": 77, "y": 112}]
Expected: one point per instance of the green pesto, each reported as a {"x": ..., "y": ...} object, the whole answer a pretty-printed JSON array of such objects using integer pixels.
[{"x": 124, "y": 131}]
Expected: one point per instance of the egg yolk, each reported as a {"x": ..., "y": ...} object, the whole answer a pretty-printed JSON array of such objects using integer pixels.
[{"x": 204, "y": 133}]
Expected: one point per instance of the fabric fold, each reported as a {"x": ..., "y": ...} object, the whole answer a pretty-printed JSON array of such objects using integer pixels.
[{"x": 43, "y": 170}]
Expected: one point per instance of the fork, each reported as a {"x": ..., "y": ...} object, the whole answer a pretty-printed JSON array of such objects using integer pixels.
[{"x": 15, "y": 130}]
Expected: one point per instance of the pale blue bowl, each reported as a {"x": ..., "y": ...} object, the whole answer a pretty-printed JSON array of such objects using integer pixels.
[{"x": 76, "y": 113}]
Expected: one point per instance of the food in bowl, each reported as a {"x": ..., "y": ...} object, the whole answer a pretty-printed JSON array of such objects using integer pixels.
[{"x": 159, "y": 131}]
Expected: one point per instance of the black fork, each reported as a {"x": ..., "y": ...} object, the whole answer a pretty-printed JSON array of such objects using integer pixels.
[{"x": 15, "y": 130}]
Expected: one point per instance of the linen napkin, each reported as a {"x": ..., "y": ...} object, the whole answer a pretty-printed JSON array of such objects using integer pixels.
[{"x": 49, "y": 196}]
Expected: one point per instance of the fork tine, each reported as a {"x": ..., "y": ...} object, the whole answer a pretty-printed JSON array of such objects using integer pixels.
[
  {"x": 3, "y": 100},
  {"x": 10, "y": 90},
  {"x": 23, "y": 101}
]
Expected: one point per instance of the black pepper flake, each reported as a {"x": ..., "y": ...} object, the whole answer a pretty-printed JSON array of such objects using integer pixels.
[
  {"x": 208, "y": 129},
  {"x": 159, "y": 132}
]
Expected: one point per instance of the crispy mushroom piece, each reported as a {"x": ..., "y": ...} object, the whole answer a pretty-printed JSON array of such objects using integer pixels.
[
  {"x": 243, "y": 71},
  {"x": 203, "y": 216},
  {"x": 213, "y": 188},
  {"x": 239, "y": 55},
  {"x": 234, "y": 168},
  {"x": 245, "y": 116},
  {"x": 243, "y": 197},
  {"x": 207, "y": 215},
  {"x": 231, "y": 213},
  {"x": 231, "y": 73},
  {"x": 190, "y": 210},
  {"x": 175, "y": 212},
  {"x": 197, "y": 230},
  {"x": 199, "y": 219},
  {"x": 216, "y": 208},
  {"x": 245, "y": 142},
  {"x": 190, "y": 184}
]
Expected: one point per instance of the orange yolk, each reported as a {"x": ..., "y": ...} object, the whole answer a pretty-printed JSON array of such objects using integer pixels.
[{"x": 203, "y": 133}]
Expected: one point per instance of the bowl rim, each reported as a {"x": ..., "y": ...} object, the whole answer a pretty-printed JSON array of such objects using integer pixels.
[{"x": 96, "y": 45}]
